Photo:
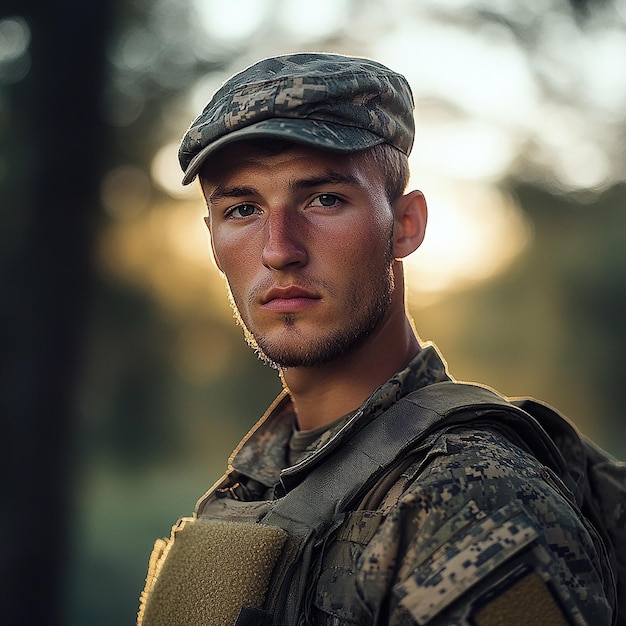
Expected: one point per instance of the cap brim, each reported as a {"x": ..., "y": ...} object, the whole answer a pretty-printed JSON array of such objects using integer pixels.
[{"x": 324, "y": 135}]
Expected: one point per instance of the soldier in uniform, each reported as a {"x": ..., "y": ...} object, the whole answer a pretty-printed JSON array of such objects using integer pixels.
[{"x": 302, "y": 160}]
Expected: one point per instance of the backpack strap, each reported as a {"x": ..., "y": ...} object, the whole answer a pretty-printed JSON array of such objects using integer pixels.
[
  {"x": 343, "y": 477},
  {"x": 600, "y": 488}
]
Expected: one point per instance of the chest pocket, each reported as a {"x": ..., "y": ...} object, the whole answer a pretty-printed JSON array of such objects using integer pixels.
[{"x": 336, "y": 599}]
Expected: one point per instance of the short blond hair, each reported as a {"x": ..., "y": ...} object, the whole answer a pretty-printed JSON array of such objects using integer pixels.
[{"x": 394, "y": 166}]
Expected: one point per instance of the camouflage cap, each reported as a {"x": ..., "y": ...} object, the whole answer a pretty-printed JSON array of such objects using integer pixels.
[{"x": 330, "y": 101}]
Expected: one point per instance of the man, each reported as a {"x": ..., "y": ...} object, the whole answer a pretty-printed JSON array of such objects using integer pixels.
[{"x": 351, "y": 502}]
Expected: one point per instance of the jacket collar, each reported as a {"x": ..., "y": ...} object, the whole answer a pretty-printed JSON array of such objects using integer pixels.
[{"x": 262, "y": 454}]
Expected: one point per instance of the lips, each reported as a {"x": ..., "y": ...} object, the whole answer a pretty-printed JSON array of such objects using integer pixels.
[{"x": 288, "y": 299}]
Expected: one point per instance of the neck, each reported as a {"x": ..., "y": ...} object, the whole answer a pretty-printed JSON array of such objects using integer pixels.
[{"x": 325, "y": 393}]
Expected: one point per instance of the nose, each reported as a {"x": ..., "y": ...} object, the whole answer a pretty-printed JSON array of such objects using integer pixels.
[{"x": 284, "y": 241}]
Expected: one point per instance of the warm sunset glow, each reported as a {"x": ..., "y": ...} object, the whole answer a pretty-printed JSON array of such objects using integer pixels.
[
  {"x": 166, "y": 172},
  {"x": 474, "y": 232},
  {"x": 167, "y": 250}
]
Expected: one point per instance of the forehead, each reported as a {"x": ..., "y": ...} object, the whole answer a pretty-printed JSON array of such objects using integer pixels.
[{"x": 274, "y": 156}]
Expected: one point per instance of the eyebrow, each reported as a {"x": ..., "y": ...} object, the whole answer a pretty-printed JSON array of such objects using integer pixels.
[
  {"x": 330, "y": 177},
  {"x": 221, "y": 192}
]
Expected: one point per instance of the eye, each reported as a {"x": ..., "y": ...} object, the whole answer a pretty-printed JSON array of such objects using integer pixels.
[
  {"x": 325, "y": 200},
  {"x": 242, "y": 210}
]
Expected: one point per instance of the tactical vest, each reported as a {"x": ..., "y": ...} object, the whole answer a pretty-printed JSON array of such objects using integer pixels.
[{"x": 247, "y": 563}]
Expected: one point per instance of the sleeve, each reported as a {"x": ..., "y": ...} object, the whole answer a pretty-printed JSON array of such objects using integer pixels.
[{"x": 482, "y": 537}]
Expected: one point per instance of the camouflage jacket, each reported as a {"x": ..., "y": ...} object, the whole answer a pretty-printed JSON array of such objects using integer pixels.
[{"x": 471, "y": 530}]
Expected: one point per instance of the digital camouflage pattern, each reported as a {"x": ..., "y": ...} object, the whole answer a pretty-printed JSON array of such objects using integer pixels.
[
  {"x": 328, "y": 101},
  {"x": 470, "y": 520},
  {"x": 479, "y": 516}
]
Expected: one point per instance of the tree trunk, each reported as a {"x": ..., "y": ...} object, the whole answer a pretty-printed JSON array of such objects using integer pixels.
[{"x": 52, "y": 146}]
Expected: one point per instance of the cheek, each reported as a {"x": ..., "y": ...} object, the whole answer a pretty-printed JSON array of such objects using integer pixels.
[
  {"x": 228, "y": 245},
  {"x": 357, "y": 241},
  {"x": 367, "y": 243},
  {"x": 232, "y": 260}
]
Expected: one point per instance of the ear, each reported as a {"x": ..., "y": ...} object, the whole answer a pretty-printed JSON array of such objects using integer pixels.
[
  {"x": 410, "y": 217},
  {"x": 207, "y": 221}
]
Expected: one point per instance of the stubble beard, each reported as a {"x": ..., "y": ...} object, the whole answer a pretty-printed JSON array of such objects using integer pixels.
[{"x": 335, "y": 343}]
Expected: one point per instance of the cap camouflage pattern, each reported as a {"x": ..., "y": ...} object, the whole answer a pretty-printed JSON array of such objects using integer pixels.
[{"x": 335, "y": 102}]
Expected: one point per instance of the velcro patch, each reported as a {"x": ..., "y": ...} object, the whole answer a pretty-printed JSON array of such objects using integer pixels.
[
  {"x": 526, "y": 601},
  {"x": 208, "y": 571}
]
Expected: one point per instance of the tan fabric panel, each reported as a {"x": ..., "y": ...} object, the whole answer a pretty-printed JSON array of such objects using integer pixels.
[
  {"x": 208, "y": 571},
  {"x": 527, "y": 602}
]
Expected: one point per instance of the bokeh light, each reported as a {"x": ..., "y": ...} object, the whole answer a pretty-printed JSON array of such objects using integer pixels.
[
  {"x": 219, "y": 21},
  {"x": 14, "y": 49}
]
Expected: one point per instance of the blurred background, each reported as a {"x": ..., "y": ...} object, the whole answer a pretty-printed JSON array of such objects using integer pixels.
[{"x": 125, "y": 382}]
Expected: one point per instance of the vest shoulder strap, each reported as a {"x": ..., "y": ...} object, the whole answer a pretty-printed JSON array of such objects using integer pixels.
[
  {"x": 361, "y": 461},
  {"x": 370, "y": 452}
]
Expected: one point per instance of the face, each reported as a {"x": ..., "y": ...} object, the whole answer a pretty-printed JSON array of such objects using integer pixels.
[{"x": 304, "y": 240}]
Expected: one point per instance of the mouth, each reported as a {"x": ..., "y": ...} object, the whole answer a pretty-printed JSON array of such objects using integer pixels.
[{"x": 289, "y": 299}]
